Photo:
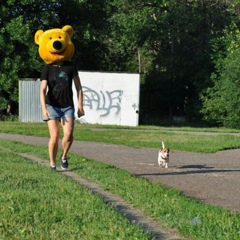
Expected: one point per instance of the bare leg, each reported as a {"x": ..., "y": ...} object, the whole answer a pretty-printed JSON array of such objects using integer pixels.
[
  {"x": 53, "y": 126},
  {"x": 67, "y": 125}
]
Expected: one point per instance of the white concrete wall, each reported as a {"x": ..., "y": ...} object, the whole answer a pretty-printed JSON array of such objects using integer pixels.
[{"x": 110, "y": 98}]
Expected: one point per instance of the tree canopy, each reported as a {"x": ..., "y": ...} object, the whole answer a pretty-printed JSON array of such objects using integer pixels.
[{"x": 185, "y": 50}]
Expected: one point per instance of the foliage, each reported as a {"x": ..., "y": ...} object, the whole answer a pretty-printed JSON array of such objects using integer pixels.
[
  {"x": 221, "y": 102},
  {"x": 175, "y": 45},
  {"x": 182, "y": 63},
  {"x": 17, "y": 23},
  {"x": 21, "y": 19}
]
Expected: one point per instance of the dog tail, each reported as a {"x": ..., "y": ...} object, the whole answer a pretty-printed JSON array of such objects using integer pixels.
[{"x": 163, "y": 146}]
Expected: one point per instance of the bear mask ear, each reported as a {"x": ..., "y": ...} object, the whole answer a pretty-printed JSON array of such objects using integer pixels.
[
  {"x": 69, "y": 30},
  {"x": 37, "y": 35}
]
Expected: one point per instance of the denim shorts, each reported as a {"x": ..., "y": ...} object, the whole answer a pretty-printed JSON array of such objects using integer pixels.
[{"x": 56, "y": 113}]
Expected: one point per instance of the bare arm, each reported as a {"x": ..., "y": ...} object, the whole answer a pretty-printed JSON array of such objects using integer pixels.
[
  {"x": 78, "y": 86},
  {"x": 43, "y": 89}
]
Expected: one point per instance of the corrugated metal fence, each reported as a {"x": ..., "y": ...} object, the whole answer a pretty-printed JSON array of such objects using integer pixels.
[{"x": 29, "y": 101}]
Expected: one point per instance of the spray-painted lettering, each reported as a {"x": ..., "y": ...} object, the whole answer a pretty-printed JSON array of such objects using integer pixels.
[{"x": 104, "y": 101}]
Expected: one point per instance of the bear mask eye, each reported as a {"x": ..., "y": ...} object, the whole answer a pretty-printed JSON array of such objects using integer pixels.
[
  {"x": 59, "y": 37},
  {"x": 50, "y": 38}
]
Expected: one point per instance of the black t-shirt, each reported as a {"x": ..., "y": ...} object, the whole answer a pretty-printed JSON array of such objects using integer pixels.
[{"x": 59, "y": 81}]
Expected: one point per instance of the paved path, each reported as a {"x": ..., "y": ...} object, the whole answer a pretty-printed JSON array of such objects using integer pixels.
[{"x": 211, "y": 178}]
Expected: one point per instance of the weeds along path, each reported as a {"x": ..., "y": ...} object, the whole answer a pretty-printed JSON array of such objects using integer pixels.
[{"x": 133, "y": 215}]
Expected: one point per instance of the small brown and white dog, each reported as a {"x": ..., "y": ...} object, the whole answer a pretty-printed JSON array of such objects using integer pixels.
[{"x": 163, "y": 156}]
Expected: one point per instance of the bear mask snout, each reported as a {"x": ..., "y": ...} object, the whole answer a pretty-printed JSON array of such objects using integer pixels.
[{"x": 57, "y": 45}]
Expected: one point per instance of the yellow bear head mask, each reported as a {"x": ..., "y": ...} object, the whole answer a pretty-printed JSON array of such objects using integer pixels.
[{"x": 55, "y": 45}]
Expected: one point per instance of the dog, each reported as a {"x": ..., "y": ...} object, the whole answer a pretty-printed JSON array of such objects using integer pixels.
[{"x": 163, "y": 156}]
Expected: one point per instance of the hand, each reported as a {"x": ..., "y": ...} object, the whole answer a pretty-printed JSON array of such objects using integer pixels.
[
  {"x": 80, "y": 112},
  {"x": 45, "y": 115}
]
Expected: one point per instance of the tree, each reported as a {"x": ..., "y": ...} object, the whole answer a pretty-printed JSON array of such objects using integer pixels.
[
  {"x": 170, "y": 43},
  {"x": 19, "y": 20},
  {"x": 180, "y": 34},
  {"x": 175, "y": 45},
  {"x": 221, "y": 102}
]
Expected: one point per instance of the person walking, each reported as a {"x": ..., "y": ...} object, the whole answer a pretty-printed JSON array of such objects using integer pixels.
[
  {"x": 56, "y": 94},
  {"x": 58, "y": 106}
]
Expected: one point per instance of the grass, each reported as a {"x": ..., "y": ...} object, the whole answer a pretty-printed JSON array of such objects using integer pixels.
[
  {"x": 148, "y": 136},
  {"x": 38, "y": 204},
  {"x": 21, "y": 181}
]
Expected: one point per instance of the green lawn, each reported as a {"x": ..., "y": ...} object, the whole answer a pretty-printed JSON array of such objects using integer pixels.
[
  {"x": 148, "y": 136},
  {"x": 37, "y": 202}
]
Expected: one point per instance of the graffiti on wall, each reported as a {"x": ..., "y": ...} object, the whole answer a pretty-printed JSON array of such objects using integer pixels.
[{"x": 102, "y": 101}]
